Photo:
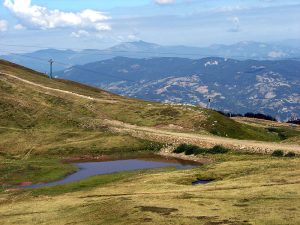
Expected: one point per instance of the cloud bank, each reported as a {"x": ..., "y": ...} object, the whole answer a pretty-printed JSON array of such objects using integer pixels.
[{"x": 42, "y": 18}]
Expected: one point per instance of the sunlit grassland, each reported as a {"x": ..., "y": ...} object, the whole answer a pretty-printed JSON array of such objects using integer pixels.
[
  {"x": 287, "y": 133},
  {"x": 70, "y": 142},
  {"x": 36, "y": 169},
  {"x": 247, "y": 189}
]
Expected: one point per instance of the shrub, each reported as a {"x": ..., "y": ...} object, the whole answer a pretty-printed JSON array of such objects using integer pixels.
[
  {"x": 290, "y": 154},
  {"x": 278, "y": 153},
  {"x": 199, "y": 151},
  {"x": 193, "y": 149},
  {"x": 218, "y": 149},
  {"x": 181, "y": 148},
  {"x": 189, "y": 150}
]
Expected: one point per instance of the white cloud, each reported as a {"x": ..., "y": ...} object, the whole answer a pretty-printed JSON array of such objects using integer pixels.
[
  {"x": 19, "y": 27},
  {"x": 42, "y": 18},
  {"x": 80, "y": 33},
  {"x": 3, "y": 25},
  {"x": 165, "y": 2}
]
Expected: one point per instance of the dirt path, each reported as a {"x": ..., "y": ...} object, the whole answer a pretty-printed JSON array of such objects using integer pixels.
[
  {"x": 58, "y": 90},
  {"x": 200, "y": 139}
]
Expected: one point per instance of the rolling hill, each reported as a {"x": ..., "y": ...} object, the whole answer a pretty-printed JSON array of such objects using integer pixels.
[{"x": 39, "y": 114}]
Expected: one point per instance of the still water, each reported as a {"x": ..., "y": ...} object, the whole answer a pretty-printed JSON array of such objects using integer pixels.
[{"x": 88, "y": 169}]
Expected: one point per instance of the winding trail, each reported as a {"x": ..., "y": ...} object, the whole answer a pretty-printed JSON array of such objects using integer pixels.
[{"x": 57, "y": 90}]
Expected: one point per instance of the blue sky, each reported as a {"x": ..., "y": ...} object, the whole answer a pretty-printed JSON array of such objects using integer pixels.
[{"x": 102, "y": 23}]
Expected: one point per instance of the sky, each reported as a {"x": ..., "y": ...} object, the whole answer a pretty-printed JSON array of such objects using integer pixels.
[{"x": 74, "y": 24}]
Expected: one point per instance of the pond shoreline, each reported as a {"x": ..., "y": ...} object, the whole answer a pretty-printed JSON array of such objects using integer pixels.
[
  {"x": 162, "y": 156},
  {"x": 89, "y": 169}
]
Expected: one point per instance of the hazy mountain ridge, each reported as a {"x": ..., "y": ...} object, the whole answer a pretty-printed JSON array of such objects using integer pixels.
[
  {"x": 270, "y": 87},
  {"x": 243, "y": 50}
]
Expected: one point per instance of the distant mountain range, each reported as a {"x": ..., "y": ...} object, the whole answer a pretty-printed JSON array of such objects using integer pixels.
[
  {"x": 270, "y": 87},
  {"x": 38, "y": 60}
]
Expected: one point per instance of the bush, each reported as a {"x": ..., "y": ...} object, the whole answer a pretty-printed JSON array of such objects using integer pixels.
[
  {"x": 218, "y": 149},
  {"x": 278, "y": 153},
  {"x": 199, "y": 151},
  {"x": 189, "y": 150},
  {"x": 193, "y": 149},
  {"x": 290, "y": 154},
  {"x": 181, "y": 148}
]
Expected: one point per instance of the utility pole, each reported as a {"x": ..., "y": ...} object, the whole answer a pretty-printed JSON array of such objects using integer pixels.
[
  {"x": 51, "y": 65},
  {"x": 209, "y": 101}
]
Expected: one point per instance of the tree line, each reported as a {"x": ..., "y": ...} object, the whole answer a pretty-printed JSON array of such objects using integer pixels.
[
  {"x": 258, "y": 116},
  {"x": 249, "y": 115}
]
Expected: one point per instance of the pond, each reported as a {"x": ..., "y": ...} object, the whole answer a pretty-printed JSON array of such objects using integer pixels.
[
  {"x": 199, "y": 181},
  {"x": 88, "y": 169}
]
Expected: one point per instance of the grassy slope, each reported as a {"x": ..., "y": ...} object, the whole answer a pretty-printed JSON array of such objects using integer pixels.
[
  {"x": 34, "y": 121},
  {"x": 38, "y": 169},
  {"x": 286, "y": 132}
]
